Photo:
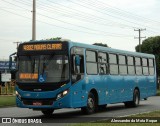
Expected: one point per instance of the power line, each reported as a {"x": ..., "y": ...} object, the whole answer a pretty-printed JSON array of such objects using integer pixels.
[
  {"x": 82, "y": 18},
  {"x": 118, "y": 11},
  {"x": 126, "y": 12},
  {"x": 25, "y": 2},
  {"x": 61, "y": 26},
  {"x": 89, "y": 15},
  {"x": 100, "y": 11},
  {"x": 6, "y": 39},
  {"x": 14, "y": 13},
  {"x": 106, "y": 33},
  {"x": 93, "y": 31},
  {"x": 92, "y": 21},
  {"x": 94, "y": 9}
]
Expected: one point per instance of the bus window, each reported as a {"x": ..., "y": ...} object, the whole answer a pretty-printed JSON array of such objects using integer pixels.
[
  {"x": 151, "y": 63},
  {"x": 102, "y": 63},
  {"x": 131, "y": 68},
  {"x": 145, "y": 66},
  {"x": 113, "y": 64},
  {"x": 91, "y": 62},
  {"x": 138, "y": 64},
  {"x": 151, "y": 67},
  {"x": 122, "y": 65}
]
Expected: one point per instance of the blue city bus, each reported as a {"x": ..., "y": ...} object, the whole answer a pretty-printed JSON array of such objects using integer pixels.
[{"x": 63, "y": 74}]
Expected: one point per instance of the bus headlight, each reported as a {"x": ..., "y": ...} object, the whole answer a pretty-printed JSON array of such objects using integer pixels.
[
  {"x": 62, "y": 94},
  {"x": 18, "y": 95}
]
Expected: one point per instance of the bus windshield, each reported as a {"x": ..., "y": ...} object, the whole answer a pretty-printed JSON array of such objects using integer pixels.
[{"x": 43, "y": 68}]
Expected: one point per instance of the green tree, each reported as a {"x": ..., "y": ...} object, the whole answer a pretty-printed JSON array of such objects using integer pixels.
[
  {"x": 56, "y": 38},
  {"x": 151, "y": 45},
  {"x": 101, "y": 44}
]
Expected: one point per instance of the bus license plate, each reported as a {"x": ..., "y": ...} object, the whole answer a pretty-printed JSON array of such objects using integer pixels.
[{"x": 37, "y": 103}]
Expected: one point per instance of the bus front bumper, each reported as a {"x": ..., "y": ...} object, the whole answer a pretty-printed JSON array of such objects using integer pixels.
[{"x": 43, "y": 100}]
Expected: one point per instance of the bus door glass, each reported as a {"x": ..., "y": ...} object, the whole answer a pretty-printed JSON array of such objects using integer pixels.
[{"x": 77, "y": 64}]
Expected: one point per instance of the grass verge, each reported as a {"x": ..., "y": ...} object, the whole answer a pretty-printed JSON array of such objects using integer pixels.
[{"x": 7, "y": 101}]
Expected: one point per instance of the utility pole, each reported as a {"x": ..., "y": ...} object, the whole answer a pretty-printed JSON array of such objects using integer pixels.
[
  {"x": 34, "y": 21},
  {"x": 139, "y": 30}
]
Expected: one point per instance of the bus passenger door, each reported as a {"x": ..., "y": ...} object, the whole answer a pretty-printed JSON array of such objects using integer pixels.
[{"x": 77, "y": 75}]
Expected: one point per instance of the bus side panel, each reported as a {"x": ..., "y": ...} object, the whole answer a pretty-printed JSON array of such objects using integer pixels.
[
  {"x": 142, "y": 85},
  {"x": 107, "y": 87},
  {"x": 128, "y": 88},
  {"x": 152, "y": 86},
  {"x": 91, "y": 82},
  {"x": 103, "y": 89},
  {"x": 79, "y": 94},
  {"x": 114, "y": 88}
]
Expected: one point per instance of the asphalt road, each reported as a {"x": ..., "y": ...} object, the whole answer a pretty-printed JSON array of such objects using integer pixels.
[{"x": 65, "y": 116}]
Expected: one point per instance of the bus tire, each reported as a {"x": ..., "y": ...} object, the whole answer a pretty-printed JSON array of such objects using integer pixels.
[
  {"x": 91, "y": 105},
  {"x": 145, "y": 99},
  {"x": 136, "y": 98},
  {"x": 47, "y": 112},
  {"x": 102, "y": 107},
  {"x": 127, "y": 104},
  {"x": 135, "y": 101}
]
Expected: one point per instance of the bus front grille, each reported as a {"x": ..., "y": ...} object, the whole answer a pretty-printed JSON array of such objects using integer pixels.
[{"x": 38, "y": 102}]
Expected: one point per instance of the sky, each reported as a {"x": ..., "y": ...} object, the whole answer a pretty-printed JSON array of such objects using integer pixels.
[{"x": 111, "y": 22}]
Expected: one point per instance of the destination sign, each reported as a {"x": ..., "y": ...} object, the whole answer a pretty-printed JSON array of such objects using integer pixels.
[
  {"x": 28, "y": 76},
  {"x": 40, "y": 47},
  {"x": 43, "y": 48}
]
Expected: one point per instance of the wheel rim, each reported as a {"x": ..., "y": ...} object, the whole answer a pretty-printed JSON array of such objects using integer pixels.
[
  {"x": 136, "y": 99},
  {"x": 90, "y": 103}
]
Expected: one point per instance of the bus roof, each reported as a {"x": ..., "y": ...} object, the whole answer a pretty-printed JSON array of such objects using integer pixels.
[
  {"x": 111, "y": 50},
  {"x": 100, "y": 48}
]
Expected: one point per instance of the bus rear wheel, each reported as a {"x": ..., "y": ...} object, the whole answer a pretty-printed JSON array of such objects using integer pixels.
[
  {"x": 135, "y": 101},
  {"x": 47, "y": 112},
  {"x": 91, "y": 105},
  {"x": 102, "y": 107},
  {"x": 136, "y": 98}
]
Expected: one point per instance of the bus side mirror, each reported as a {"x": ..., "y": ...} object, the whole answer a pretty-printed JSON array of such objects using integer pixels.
[
  {"x": 15, "y": 58},
  {"x": 10, "y": 63},
  {"x": 10, "y": 60},
  {"x": 77, "y": 60}
]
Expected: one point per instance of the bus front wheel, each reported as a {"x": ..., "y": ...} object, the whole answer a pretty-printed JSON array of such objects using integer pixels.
[
  {"x": 47, "y": 112},
  {"x": 91, "y": 105}
]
